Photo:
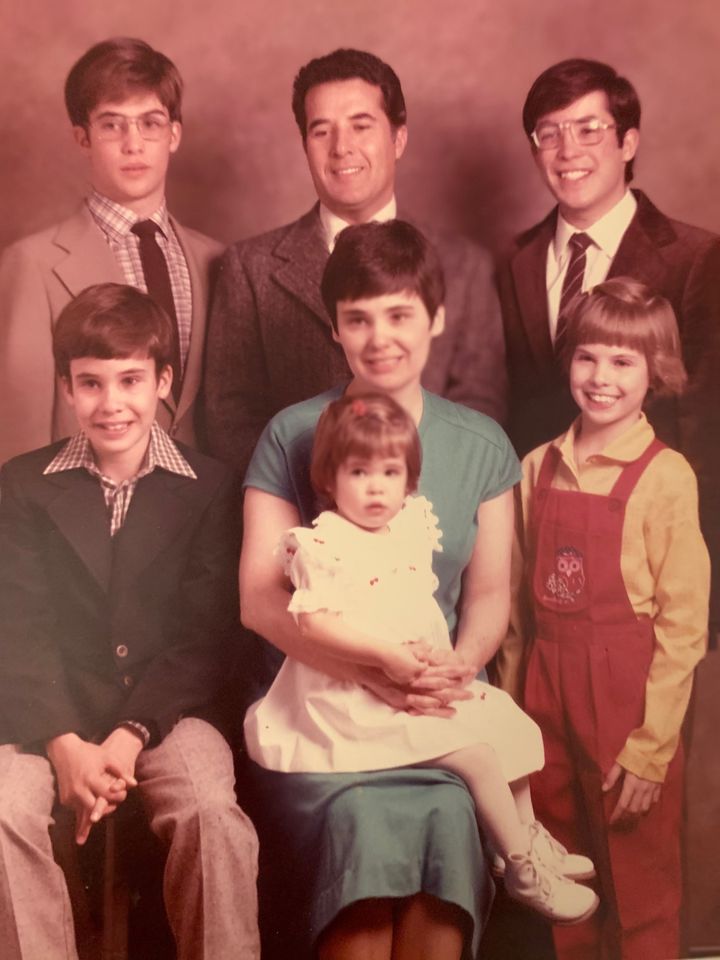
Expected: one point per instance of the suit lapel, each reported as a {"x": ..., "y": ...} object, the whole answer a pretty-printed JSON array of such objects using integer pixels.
[
  {"x": 79, "y": 512},
  {"x": 302, "y": 256},
  {"x": 142, "y": 538},
  {"x": 529, "y": 268},
  {"x": 88, "y": 259},
  {"x": 199, "y": 294},
  {"x": 639, "y": 255}
]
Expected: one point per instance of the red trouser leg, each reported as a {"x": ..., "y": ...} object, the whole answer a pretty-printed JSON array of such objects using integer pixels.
[{"x": 573, "y": 694}]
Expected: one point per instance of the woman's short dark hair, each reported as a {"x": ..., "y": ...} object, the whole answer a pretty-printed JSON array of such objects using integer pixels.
[
  {"x": 372, "y": 259},
  {"x": 348, "y": 64},
  {"x": 112, "y": 321},
  {"x": 116, "y": 69},
  {"x": 567, "y": 81}
]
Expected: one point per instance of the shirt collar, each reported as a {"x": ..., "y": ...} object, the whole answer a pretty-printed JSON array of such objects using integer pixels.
[
  {"x": 333, "y": 225},
  {"x": 606, "y": 233},
  {"x": 116, "y": 221},
  {"x": 623, "y": 449},
  {"x": 77, "y": 454}
]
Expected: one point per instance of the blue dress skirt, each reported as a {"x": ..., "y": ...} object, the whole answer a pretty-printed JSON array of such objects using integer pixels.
[{"x": 328, "y": 841}]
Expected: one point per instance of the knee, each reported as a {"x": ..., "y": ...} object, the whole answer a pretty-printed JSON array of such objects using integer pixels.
[{"x": 215, "y": 813}]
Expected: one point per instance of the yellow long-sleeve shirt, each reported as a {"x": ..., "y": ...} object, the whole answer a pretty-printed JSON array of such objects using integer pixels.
[{"x": 666, "y": 570}]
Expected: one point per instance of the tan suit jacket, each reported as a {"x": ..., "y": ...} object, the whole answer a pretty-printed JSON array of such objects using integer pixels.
[{"x": 39, "y": 275}]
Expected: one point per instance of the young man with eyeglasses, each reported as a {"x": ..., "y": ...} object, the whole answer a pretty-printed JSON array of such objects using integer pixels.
[
  {"x": 583, "y": 121},
  {"x": 124, "y": 102}
]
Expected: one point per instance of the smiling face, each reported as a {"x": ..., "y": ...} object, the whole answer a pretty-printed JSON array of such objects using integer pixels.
[
  {"x": 351, "y": 148},
  {"x": 387, "y": 340},
  {"x": 130, "y": 171},
  {"x": 115, "y": 403},
  {"x": 609, "y": 385},
  {"x": 369, "y": 492},
  {"x": 587, "y": 181}
]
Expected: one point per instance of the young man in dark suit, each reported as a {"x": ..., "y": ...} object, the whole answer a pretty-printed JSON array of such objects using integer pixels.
[
  {"x": 270, "y": 339},
  {"x": 583, "y": 120},
  {"x": 124, "y": 100},
  {"x": 119, "y": 612}
]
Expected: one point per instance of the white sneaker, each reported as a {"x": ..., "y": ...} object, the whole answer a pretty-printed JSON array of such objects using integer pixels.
[
  {"x": 553, "y": 854},
  {"x": 562, "y": 901}
]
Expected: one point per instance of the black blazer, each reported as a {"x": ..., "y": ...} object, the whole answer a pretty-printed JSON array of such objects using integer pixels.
[
  {"x": 680, "y": 262},
  {"x": 94, "y": 629}
]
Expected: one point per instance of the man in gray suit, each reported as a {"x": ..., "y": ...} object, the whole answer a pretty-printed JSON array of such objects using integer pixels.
[
  {"x": 270, "y": 341},
  {"x": 124, "y": 102}
]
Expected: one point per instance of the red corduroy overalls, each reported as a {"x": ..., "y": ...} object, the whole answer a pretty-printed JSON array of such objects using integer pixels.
[{"x": 586, "y": 689}]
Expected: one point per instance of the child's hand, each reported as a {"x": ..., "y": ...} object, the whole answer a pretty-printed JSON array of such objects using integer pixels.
[
  {"x": 636, "y": 795},
  {"x": 85, "y": 774},
  {"x": 403, "y": 663}
]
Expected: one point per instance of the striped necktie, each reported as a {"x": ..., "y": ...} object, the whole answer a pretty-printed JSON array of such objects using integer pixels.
[{"x": 572, "y": 284}]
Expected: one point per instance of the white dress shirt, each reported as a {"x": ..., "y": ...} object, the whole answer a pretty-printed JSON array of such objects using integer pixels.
[
  {"x": 333, "y": 225},
  {"x": 606, "y": 235}
]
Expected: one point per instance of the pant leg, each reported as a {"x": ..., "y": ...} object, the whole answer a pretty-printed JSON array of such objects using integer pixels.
[
  {"x": 35, "y": 913},
  {"x": 187, "y": 785},
  {"x": 557, "y": 794}
]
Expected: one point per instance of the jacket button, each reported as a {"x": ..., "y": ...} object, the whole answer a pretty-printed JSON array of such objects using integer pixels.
[
  {"x": 121, "y": 650},
  {"x": 128, "y": 680}
]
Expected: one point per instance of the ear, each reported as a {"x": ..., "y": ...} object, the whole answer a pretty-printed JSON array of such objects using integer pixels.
[
  {"x": 66, "y": 386},
  {"x": 175, "y": 135},
  {"x": 81, "y": 137},
  {"x": 400, "y": 138},
  {"x": 335, "y": 335},
  {"x": 165, "y": 379},
  {"x": 437, "y": 324},
  {"x": 630, "y": 144}
]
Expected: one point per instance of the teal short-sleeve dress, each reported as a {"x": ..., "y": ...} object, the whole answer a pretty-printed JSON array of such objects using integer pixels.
[{"x": 329, "y": 840}]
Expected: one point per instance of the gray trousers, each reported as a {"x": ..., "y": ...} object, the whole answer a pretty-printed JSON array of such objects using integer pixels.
[{"x": 210, "y": 881}]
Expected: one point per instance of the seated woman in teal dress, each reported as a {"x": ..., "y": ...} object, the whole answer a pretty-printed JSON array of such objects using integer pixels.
[{"x": 386, "y": 864}]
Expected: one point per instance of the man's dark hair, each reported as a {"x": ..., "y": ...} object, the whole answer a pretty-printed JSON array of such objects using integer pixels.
[
  {"x": 565, "y": 82},
  {"x": 372, "y": 259},
  {"x": 116, "y": 69},
  {"x": 347, "y": 64},
  {"x": 112, "y": 321}
]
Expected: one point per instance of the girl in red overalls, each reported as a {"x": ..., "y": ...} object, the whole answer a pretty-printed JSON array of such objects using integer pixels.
[{"x": 616, "y": 605}]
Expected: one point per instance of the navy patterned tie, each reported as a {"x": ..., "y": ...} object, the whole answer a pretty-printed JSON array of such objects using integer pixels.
[
  {"x": 157, "y": 281},
  {"x": 572, "y": 284}
]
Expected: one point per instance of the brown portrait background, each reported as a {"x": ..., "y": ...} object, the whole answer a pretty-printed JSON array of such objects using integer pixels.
[{"x": 465, "y": 66}]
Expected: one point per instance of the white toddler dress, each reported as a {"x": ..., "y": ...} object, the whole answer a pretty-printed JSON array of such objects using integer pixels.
[{"x": 382, "y": 584}]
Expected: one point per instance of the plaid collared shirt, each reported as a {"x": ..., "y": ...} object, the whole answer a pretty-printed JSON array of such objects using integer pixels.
[
  {"x": 116, "y": 221},
  {"x": 77, "y": 454}
]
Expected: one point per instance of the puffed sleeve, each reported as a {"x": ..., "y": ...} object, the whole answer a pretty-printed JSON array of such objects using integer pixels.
[{"x": 310, "y": 561}]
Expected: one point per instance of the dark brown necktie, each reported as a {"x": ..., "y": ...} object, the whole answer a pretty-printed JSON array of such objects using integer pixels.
[
  {"x": 572, "y": 284},
  {"x": 157, "y": 281}
]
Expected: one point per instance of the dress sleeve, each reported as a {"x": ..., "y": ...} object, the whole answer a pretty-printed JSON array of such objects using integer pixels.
[{"x": 308, "y": 560}]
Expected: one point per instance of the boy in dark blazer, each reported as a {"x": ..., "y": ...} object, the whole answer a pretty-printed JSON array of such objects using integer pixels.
[{"x": 118, "y": 613}]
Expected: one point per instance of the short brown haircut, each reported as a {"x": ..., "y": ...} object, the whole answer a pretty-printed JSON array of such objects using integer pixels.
[
  {"x": 625, "y": 313},
  {"x": 116, "y": 69},
  {"x": 349, "y": 64},
  {"x": 112, "y": 321},
  {"x": 372, "y": 259},
  {"x": 567, "y": 81},
  {"x": 363, "y": 425}
]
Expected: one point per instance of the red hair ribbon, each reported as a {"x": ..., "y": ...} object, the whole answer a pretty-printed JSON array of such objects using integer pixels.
[{"x": 359, "y": 408}]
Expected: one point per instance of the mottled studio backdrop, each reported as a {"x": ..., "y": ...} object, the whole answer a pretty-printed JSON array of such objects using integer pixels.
[{"x": 465, "y": 66}]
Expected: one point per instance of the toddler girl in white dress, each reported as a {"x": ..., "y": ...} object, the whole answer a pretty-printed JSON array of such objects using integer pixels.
[{"x": 364, "y": 592}]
